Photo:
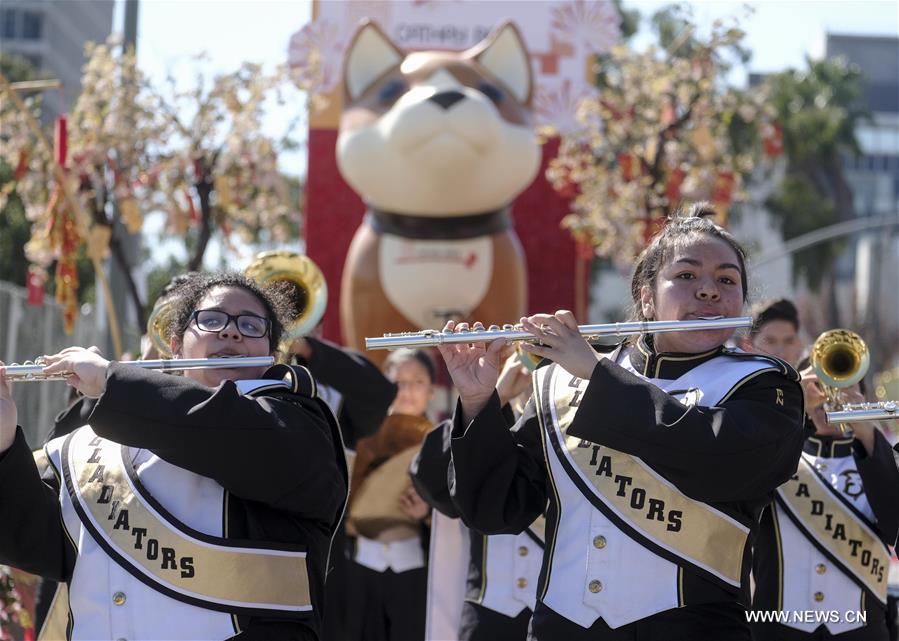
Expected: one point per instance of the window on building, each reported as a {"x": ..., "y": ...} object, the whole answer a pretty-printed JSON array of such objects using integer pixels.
[
  {"x": 32, "y": 25},
  {"x": 8, "y": 23}
]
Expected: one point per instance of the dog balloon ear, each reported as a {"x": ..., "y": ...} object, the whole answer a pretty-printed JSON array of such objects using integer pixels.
[
  {"x": 370, "y": 55},
  {"x": 504, "y": 54}
]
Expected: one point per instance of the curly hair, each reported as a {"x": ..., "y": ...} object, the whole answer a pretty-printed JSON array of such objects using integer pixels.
[
  {"x": 695, "y": 220},
  {"x": 274, "y": 300}
]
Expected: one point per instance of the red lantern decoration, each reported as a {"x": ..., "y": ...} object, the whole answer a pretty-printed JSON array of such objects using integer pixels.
[
  {"x": 628, "y": 165},
  {"x": 22, "y": 165},
  {"x": 724, "y": 188},
  {"x": 672, "y": 188},
  {"x": 773, "y": 140},
  {"x": 192, "y": 213},
  {"x": 34, "y": 282},
  {"x": 61, "y": 146}
]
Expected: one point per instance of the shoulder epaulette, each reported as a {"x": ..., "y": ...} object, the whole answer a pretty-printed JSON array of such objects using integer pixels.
[
  {"x": 785, "y": 368},
  {"x": 298, "y": 378},
  {"x": 290, "y": 379}
]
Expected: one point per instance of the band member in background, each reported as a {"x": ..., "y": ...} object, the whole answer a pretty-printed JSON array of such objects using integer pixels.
[
  {"x": 656, "y": 458},
  {"x": 500, "y": 589},
  {"x": 389, "y": 518},
  {"x": 822, "y": 547},
  {"x": 356, "y": 390},
  {"x": 359, "y": 395},
  {"x": 200, "y": 506},
  {"x": 775, "y": 331}
]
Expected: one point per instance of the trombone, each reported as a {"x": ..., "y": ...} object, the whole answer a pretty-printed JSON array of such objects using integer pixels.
[
  {"x": 434, "y": 338},
  {"x": 840, "y": 359},
  {"x": 309, "y": 290},
  {"x": 33, "y": 371}
]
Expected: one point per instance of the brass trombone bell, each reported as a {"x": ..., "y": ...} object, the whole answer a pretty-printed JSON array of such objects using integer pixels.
[
  {"x": 309, "y": 283},
  {"x": 158, "y": 327},
  {"x": 840, "y": 358}
]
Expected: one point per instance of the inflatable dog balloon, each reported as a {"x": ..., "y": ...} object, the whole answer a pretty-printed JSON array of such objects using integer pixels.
[{"x": 438, "y": 144}]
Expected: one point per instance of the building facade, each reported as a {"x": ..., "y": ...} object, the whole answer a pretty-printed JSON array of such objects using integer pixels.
[
  {"x": 872, "y": 267},
  {"x": 51, "y": 35}
]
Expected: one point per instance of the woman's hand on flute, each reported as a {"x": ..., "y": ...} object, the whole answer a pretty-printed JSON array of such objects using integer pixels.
[
  {"x": 561, "y": 342},
  {"x": 8, "y": 412},
  {"x": 87, "y": 368},
  {"x": 474, "y": 368}
]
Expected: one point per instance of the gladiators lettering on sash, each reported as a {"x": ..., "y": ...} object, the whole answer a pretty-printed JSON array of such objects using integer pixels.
[
  {"x": 656, "y": 510},
  {"x": 837, "y": 529},
  {"x": 206, "y": 571}
]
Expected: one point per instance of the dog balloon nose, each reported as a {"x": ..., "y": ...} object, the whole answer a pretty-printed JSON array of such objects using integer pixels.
[{"x": 447, "y": 99}]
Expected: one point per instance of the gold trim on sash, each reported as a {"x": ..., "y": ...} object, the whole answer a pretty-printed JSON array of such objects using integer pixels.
[
  {"x": 549, "y": 555},
  {"x": 41, "y": 460},
  {"x": 168, "y": 557},
  {"x": 836, "y": 529},
  {"x": 780, "y": 556},
  {"x": 689, "y": 529},
  {"x": 57, "y": 619},
  {"x": 538, "y": 528}
]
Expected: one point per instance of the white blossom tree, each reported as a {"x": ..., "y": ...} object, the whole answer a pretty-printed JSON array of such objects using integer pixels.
[
  {"x": 197, "y": 154},
  {"x": 664, "y": 128}
]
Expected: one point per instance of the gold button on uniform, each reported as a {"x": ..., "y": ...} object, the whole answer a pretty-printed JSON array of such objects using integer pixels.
[
  {"x": 819, "y": 596},
  {"x": 522, "y": 583},
  {"x": 599, "y": 542},
  {"x": 820, "y": 568},
  {"x": 118, "y": 598},
  {"x": 594, "y": 586},
  {"x": 522, "y": 551}
]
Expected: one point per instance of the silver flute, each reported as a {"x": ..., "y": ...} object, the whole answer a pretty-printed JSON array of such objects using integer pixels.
[
  {"x": 857, "y": 412},
  {"x": 434, "y": 338},
  {"x": 34, "y": 371}
]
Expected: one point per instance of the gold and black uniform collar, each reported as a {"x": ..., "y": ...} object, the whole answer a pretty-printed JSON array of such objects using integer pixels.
[
  {"x": 666, "y": 365},
  {"x": 828, "y": 446}
]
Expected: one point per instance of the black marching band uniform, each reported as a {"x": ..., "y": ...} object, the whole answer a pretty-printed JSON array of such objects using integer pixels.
[
  {"x": 356, "y": 390},
  {"x": 183, "y": 512},
  {"x": 359, "y": 395},
  {"x": 656, "y": 470},
  {"x": 503, "y": 569},
  {"x": 822, "y": 547}
]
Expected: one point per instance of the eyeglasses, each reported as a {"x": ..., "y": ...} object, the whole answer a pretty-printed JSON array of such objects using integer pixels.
[{"x": 214, "y": 320}]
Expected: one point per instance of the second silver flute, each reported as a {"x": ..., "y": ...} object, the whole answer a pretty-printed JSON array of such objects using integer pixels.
[
  {"x": 857, "y": 412},
  {"x": 433, "y": 338}
]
